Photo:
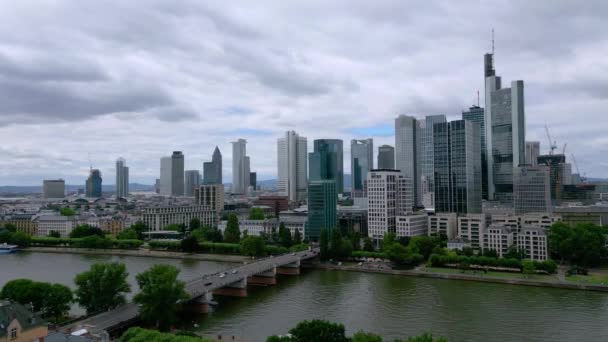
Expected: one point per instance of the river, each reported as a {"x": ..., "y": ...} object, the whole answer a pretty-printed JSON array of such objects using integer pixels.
[{"x": 392, "y": 306}]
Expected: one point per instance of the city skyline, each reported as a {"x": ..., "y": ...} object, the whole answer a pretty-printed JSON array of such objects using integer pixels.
[{"x": 322, "y": 87}]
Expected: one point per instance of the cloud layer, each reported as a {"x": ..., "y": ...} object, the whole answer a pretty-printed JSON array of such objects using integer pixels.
[{"x": 115, "y": 78}]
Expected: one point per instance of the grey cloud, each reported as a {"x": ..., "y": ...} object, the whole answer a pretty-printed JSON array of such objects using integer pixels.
[{"x": 47, "y": 69}]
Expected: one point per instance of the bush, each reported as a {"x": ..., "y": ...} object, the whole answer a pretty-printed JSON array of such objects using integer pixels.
[
  {"x": 165, "y": 245},
  {"x": 127, "y": 244},
  {"x": 548, "y": 266},
  {"x": 366, "y": 254}
]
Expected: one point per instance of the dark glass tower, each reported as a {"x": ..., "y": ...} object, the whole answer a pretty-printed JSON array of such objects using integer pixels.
[
  {"x": 322, "y": 207},
  {"x": 93, "y": 184},
  {"x": 212, "y": 171},
  {"x": 476, "y": 114},
  {"x": 326, "y": 162}
]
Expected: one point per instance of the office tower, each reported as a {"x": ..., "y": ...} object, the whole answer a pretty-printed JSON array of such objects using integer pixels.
[
  {"x": 93, "y": 184},
  {"x": 457, "y": 167},
  {"x": 177, "y": 174},
  {"x": 532, "y": 152},
  {"x": 361, "y": 162},
  {"x": 531, "y": 189},
  {"x": 322, "y": 208},
  {"x": 292, "y": 163},
  {"x": 477, "y": 114},
  {"x": 192, "y": 181},
  {"x": 253, "y": 181},
  {"x": 53, "y": 188},
  {"x": 212, "y": 171},
  {"x": 389, "y": 195},
  {"x": 157, "y": 185},
  {"x": 240, "y": 167},
  {"x": 428, "y": 161},
  {"x": 505, "y": 131},
  {"x": 408, "y": 152},
  {"x": 165, "y": 176},
  {"x": 210, "y": 195},
  {"x": 567, "y": 173},
  {"x": 326, "y": 162},
  {"x": 122, "y": 178},
  {"x": 386, "y": 157},
  {"x": 555, "y": 162}
]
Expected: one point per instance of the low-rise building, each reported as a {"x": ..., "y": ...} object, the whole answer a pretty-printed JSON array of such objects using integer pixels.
[
  {"x": 352, "y": 219},
  {"x": 412, "y": 225},
  {"x": 157, "y": 218},
  {"x": 54, "y": 223},
  {"x": 443, "y": 224},
  {"x": 210, "y": 195},
  {"x": 533, "y": 241},
  {"x": 19, "y": 324},
  {"x": 472, "y": 227},
  {"x": 593, "y": 214},
  {"x": 498, "y": 238},
  {"x": 458, "y": 244},
  {"x": 23, "y": 223}
]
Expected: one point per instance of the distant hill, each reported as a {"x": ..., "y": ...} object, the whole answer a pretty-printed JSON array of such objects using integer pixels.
[{"x": 36, "y": 189}]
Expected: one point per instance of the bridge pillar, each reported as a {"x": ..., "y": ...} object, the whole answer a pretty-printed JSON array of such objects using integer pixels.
[
  {"x": 290, "y": 269},
  {"x": 203, "y": 304},
  {"x": 264, "y": 278},
  {"x": 236, "y": 289}
]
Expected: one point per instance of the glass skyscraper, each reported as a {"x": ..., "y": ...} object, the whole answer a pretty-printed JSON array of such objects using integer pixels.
[
  {"x": 93, "y": 184},
  {"x": 428, "y": 161},
  {"x": 327, "y": 163},
  {"x": 361, "y": 161},
  {"x": 386, "y": 157},
  {"x": 212, "y": 171},
  {"x": 476, "y": 114},
  {"x": 322, "y": 208}
]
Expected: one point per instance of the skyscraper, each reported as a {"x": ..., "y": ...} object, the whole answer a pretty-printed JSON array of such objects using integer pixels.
[
  {"x": 457, "y": 167},
  {"x": 177, "y": 174},
  {"x": 53, "y": 188},
  {"x": 555, "y": 162},
  {"x": 240, "y": 167},
  {"x": 322, "y": 208},
  {"x": 505, "y": 131},
  {"x": 192, "y": 181},
  {"x": 253, "y": 180},
  {"x": 532, "y": 152},
  {"x": 93, "y": 184},
  {"x": 122, "y": 178},
  {"x": 361, "y": 162},
  {"x": 408, "y": 152},
  {"x": 427, "y": 160},
  {"x": 386, "y": 157},
  {"x": 531, "y": 189},
  {"x": 477, "y": 114},
  {"x": 212, "y": 171},
  {"x": 165, "y": 176},
  {"x": 292, "y": 164},
  {"x": 326, "y": 162}
]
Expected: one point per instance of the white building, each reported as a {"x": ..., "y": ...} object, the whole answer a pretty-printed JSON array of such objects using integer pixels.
[
  {"x": 532, "y": 152},
  {"x": 211, "y": 196},
  {"x": 240, "y": 167},
  {"x": 412, "y": 225},
  {"x": 54, "y": 223},
  {"x": 499, "y": 238},
  {"x": 122, "y": 178},
  {"x": 157, "y": 218},
  {"x": 531, "y": 189},
  {"x": 472, "y": 228},
  {"x": 165, "y": 176},
  {"x": 443, "y": 224},
  {"x": 292, "y": 163},
  {"x": 389, "y": 195},
  {"x": 533, "y": 241}
]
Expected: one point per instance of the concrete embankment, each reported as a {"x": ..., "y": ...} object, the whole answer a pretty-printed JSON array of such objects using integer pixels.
[
  {"x": 141, "y": 253},
  {"x": 468, "y": 277}
]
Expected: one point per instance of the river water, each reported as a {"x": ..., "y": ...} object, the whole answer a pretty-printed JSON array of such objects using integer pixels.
[{"x": 392, "y": 306}]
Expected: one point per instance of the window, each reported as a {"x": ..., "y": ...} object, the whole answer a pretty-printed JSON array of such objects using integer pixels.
[{"x": 14, "y": 334}]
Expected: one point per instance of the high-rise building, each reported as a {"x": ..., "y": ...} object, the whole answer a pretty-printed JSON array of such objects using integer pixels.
[
  {"x": 240, "y": 167},
  {"x": 322, "y": 208},
  {"x": 212, "y": 171},
  {"x": 386, "y": 157},
  {"x": 555, "y": 162},
  {"x": 457, "y": 167},
  {"x": 477, "y": 114},
  {"x": 428, "y": 161},
  {"x": 165, "y": 176},
  {"x": 361, "y": 162},
  {"x": 389, "y": 195},
  {"x": 327, "y": 163},
  {"x": 177, "y": 174},
  {"x": 122, "y": 178},
  {"x": 532, "y": 152},
  {"x": 292, "y": 163},
  {"x": 408, "y": 152},
  {"x": 505, "y": 131},
  {"x": 253, "y": 180},
  {"x": 192, "y": 181},
  {"x": 157, "y": 185},
  {"x": 93, "y": 184},
  {"x": 210, "y": 195},
  {"x": 531, "y": 189},
  {"x": 53, "y": 188}
]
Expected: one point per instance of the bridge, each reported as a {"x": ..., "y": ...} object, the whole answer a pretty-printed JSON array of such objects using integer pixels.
[{"x": 232, "y": 282}]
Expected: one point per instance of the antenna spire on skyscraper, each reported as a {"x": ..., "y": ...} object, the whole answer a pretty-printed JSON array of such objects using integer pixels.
[{"x": 492, "y": 41}]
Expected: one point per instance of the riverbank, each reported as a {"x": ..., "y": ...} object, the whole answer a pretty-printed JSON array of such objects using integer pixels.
[
  {"x": 141, "y": 253},
  {"x": 461, "y": 276}
]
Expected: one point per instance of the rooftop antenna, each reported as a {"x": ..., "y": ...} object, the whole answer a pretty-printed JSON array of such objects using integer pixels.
[
  {"x": 492, "y": 41},
  {"x": 477, "y": 97},
  {"x": 90, "y": 163}
]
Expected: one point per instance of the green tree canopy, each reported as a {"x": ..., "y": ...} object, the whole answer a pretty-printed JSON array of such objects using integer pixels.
[
  {"x": 195, "y": 223},
  {"x": 362, "y": 336},
  {"x": 10, "y": 227},
  {"x": 232, "y": 234},
  {"x": 143, "y": 335},
  {"x": 67, "y": 211},
  {"x": 128, "y": 234},
  {"x": 253, "y": 246},
  {"x": 20, "y": 239},
  {"x": 284, "y": 236},
  {"x": 54, "y": 233},
  {"x": 324, "y": 244},
  {"x": 102, "y": 287},
  {"x": 319, "y": 331},
  {"x": 140, "y": 227},
  {"x": 297, "y": 237},
  {"x": 189, "y": 244},
  {"x": 256, "y": 213},
  {"x": 583, "y": 244},
  {"x": 368, "y": 246},
  {"x": 161, "y": 295},
  {"x": 85, "y": 230},
  {"x": 51, "y": 300}
]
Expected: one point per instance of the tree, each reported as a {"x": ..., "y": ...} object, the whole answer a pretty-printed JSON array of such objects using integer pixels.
[
  {"x": 20, "y": 239},
  {"x": 297, "y": 237},
  {"x": 356, "y": 240},
  {"x": 515, "y": 253},
  {"x": 401, "y": 255},
  {"x": 388, "y": 240},
  {"x": 426, "y": 337},
  {"x": 256, "y": 214},
  {"x": 189, "y": 244},
  {"x": 161, "y": 295},
  {"x": 51, "y": 300},
  {"x": 490, "y": 253},
  {"x": 143, "y": 335},
  {"x": 284, "y": 236},
  {"x": 57, "y": 301},
  {"x": 195, "y": 223},
  {"x": 423, "y": 245},
  {"x": 324, "y": 244},
  {"x": 253, "y": 246},
  {"x": 527, "y": 267},
  {"x": 127, "y": 234},
  {"x": 583, "y": 244},
  {"x": 67, "y": 211},
  {"x": 54, "y": 234},
  {"x": 362, "y": 336},
  {"x": 85, "y": 230},
  {"x": 10, "y": 227},
  {"x": 140, "y": 227},
  {"x": 335, "y": 243},
  {"x": 232, "y": 234},
  {"x": 102, "y": 287},
  {"x": 368, "y": 246},
  {"x": 319, "y": 331}
]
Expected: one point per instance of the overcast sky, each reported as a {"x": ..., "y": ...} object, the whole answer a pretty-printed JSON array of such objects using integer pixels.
[{"x": 139, "y": 79}]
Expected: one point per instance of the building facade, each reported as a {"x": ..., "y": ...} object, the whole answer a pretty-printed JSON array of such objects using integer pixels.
[
  {"x": 292, "y": 163},
  {"x": 533, "y": 242},
  {"x": 212, "y": 171},
  {"x": 477, "y": 114},
  {"x": 327, "y": 162},
  {"x": 408, "y": 152},
  {"x": 322, "y": 208},
  {"x": 531, "y": 190},
  {"x": 411, "y": 225},
  {"x": 177, "y": 173},
  {"x": 54, "y": 223},
  {"x": 210, "y": 196},
  {"x": 165, "y": 176},
  {"x": 428, "y": 161},
  {"x": 157, "y": 218},
  {"x": 389, "y": 194},
  {"x": 361, "y": 162},
  {"x": 532, "y": 152},
  {"x": 443, "y": 224},
  {"x": 192, "y": 179},
  {"x": 386, "y": 157},
  {"x": 53, "y": 188},
  {"x": 472, "y": 227},
  {"x": 93, "y": 184},
  {"x": 19, "y": 324},
  {"x": 240, "y": 167},
  {"x": 122, "y": 178},
  {"x": 499, "y": 238}
]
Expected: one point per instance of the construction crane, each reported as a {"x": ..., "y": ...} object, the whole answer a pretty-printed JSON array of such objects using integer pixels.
[
  {"x": 552, "y": 143},
  {"x": 583, "y": 178}
]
